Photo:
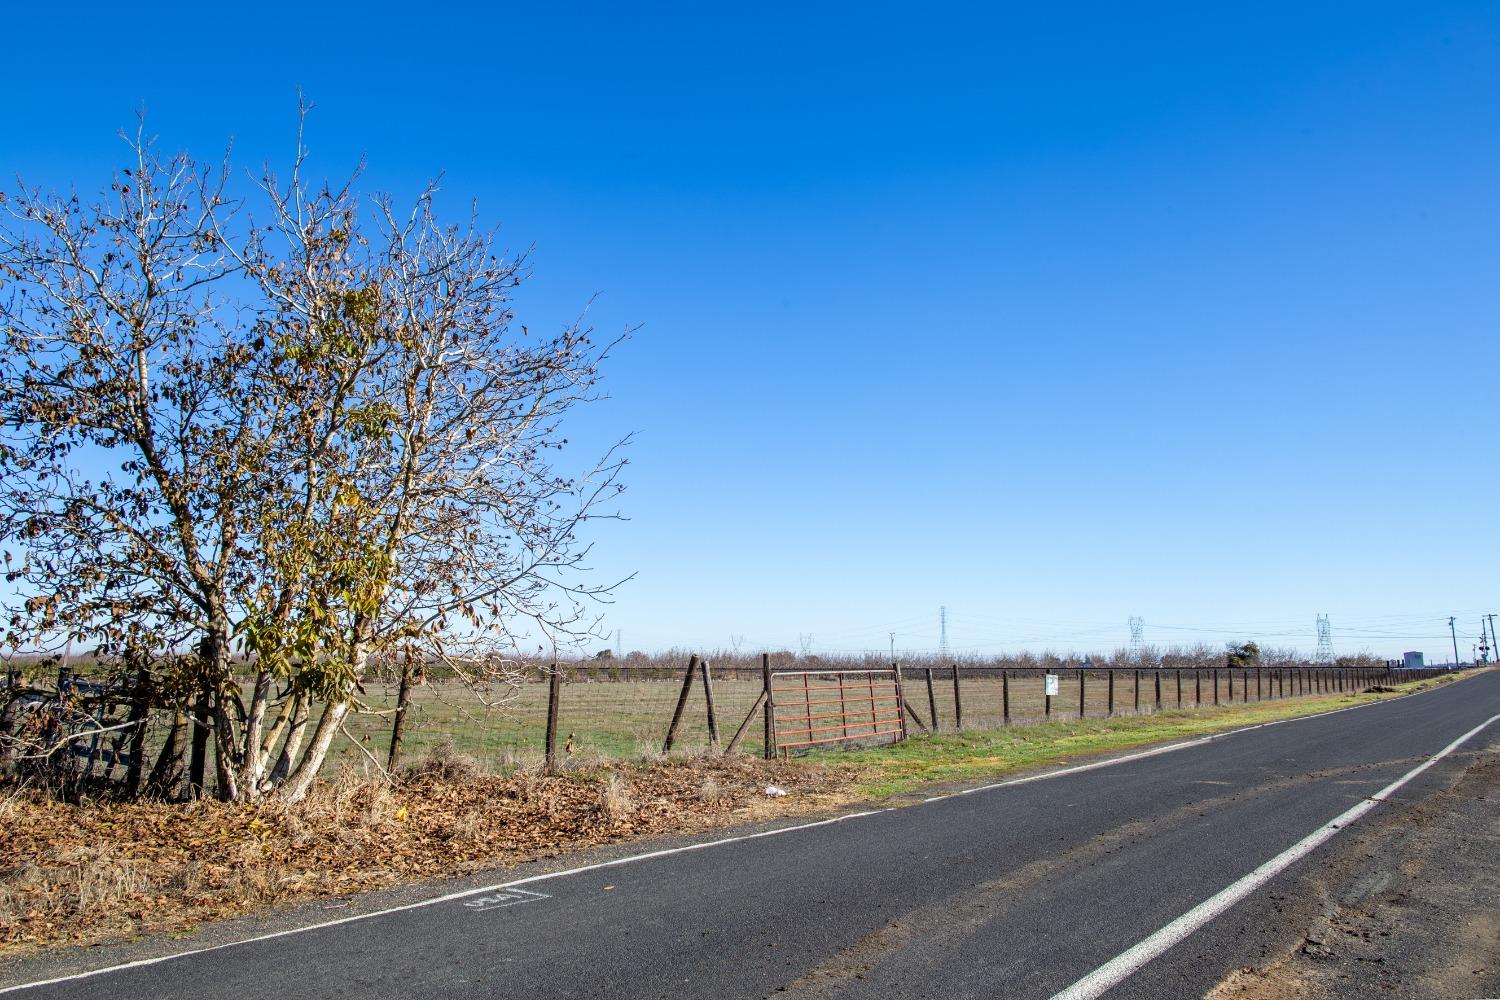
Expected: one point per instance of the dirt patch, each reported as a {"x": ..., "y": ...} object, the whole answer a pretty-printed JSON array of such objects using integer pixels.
[
  {"x": 1408, "y": 911},
  {"x": 94, "y": 872}
]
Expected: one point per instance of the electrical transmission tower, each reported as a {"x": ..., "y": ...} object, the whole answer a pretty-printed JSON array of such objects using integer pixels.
[
  {"x": 943, "y": 633},
  {"x": 1325, "y": 641},
  {"x": 1137, "y": 632}
]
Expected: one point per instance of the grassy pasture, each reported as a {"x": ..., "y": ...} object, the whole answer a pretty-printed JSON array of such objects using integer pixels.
[{"x": 626, "y": 718}]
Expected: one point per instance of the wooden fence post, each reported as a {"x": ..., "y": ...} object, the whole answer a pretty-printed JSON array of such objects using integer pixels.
[
  {"x": 1082, "y": 677},
  {"x": 958, "y": 701},
  {"x": 140, "y": 705},
  {"x": 708, "y": 697},
  {"x": 905, "y": 708},
  {"x": 1178, "y": 672},
  {"x": 931, "y": 700},
  {"x": 1197, "y": 687},
  {"x": 739, "y": 734},
  {"x": 765, "y": 693},
  {"x": 554, "y": 696},
  {"x": 682, "y": 697},
  {"x": 1110, "y": 711},
  {"x": 1135, "y": 687},
  {"x": 1216, "y": 685},
  {"x": 1005, "y": 697},
  {"x": 198, "y": 754},
  {"x": 1158, "y": 689}
]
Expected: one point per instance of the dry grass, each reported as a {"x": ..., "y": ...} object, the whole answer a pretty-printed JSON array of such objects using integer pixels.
[
  {"x": 614, "y": 800},
  {"x": 97, "y": 870}
]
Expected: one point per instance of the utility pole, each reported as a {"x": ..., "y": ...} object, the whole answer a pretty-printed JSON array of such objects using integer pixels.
[
  {"x": 1454, "y": 635},
  {"x": 893, "y": 647},
  {"x": 1494, "y": 646}
]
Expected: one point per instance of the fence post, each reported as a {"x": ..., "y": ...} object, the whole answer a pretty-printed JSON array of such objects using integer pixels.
[
  {"x": 1257, "y": 685},
  {"x": 554, "y": 695},
  {"x": 1157, "y": 674},
  {"x": 931, "y": 700},
  {"x": 1111, "y": 710},
  {"x": 739, "y": 734},
  {"x": 1046, "y": 698},
  {"x": 765, "y": 680},
  {"x": 1178, "y": 672},
  {"x": 902, "y": 708},
  {"x": 1197, "y": 688},
  {"x": 198, "y": 756},
  {"x": 1082, "y": 675},
  {"x": 1216, "y": 685},
  {"x": 1135, "y": 690},
  {"x": 1230, "y": 672},
  {"x": 708, "y": 697},
  {"x": 958, "y": 701},
  {"x": 139, "y": 706},
  {"x": 1005, "y": 697},
  {"x": 682, "y": 697}
]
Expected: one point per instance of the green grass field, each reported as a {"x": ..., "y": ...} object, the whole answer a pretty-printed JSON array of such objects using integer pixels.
[
  {"x": 982, "y": 754},
  {"x": 629, "y": 718}
]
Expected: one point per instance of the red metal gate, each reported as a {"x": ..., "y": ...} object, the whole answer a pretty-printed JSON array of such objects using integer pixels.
[{"x": 811, "y": 707}]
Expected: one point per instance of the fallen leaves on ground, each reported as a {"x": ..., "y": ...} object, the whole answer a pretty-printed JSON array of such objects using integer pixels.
[{"x": 95, "y": 871}]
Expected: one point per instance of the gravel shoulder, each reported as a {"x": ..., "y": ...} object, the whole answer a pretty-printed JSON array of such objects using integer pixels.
[{"x": 1406, "y": 907}]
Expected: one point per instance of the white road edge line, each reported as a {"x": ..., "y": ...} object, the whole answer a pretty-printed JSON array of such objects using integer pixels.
[
  {"x": 1125, "y": 964},
  {"x": 436, "y": 900},
  {"x": 1125, "y": 759}
]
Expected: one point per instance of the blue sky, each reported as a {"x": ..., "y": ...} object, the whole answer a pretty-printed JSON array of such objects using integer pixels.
[{"x": 1049, "y": 315}]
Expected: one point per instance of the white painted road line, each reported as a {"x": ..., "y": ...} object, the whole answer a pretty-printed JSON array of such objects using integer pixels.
[
  {"x": 1120, "y": 967},
  {"x": 466, "y": 893},
  {"x": 451, "y": 897}
]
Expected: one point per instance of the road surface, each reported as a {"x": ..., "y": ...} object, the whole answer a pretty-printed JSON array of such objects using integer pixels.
[{"x": 1023, "y": 890}]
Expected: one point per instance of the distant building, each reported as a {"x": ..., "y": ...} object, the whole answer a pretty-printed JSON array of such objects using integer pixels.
[{"x": 1412, "y": 661}]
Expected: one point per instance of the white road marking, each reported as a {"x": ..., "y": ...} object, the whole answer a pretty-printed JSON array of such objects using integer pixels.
[
  {"x": 495, "y": 900},
  {"x": 1120, "y": 967},
  {"x": 450, "y": 897},
  {"x": 464, "y": 894}
]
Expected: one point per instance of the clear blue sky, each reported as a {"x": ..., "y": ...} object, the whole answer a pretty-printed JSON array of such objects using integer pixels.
[{"x": 1051, "y": 315}]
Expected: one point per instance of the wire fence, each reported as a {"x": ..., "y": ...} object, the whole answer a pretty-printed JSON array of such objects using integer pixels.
[
  {"x": 606, "y": 711},
  {"x": 622, "y": 712}
]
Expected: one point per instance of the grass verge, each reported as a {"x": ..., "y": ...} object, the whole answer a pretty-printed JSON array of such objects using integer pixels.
[{"x": 972, "y": 755}]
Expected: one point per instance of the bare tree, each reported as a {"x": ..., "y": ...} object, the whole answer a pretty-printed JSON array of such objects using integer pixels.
[
  {"x": 120, "y": 355},
  {"x": 354, "y": 454}
]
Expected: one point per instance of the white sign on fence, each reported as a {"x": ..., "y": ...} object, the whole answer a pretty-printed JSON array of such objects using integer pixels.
[{"x": 1051, "y": 684}]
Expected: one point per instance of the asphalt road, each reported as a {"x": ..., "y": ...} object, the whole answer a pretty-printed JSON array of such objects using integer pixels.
[{"x": 1017, "y": 890}]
